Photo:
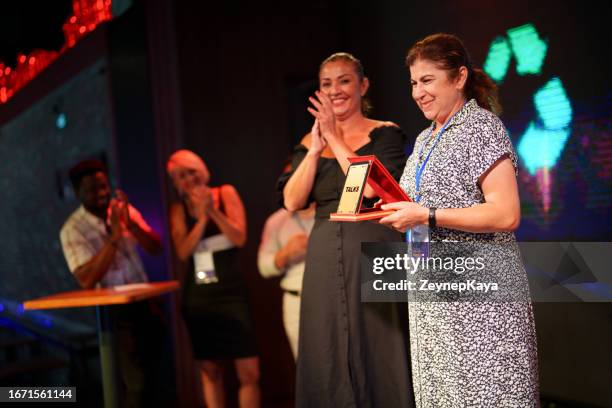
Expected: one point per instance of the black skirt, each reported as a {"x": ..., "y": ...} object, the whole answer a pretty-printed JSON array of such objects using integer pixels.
[{"x": 221, "y": 330}]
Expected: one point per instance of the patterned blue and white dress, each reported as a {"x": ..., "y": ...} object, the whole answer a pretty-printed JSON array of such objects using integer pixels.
[{"x": 477, "y": 353}]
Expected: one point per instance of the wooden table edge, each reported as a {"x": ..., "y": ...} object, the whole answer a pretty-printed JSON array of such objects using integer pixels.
[{"x": 118, "y": 298}]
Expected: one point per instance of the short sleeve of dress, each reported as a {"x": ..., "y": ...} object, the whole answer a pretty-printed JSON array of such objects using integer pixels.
[
  {"x": 389, "y": 143},
  {"x": 299, "y": 152},
  {"x": 489, "y": 144}
]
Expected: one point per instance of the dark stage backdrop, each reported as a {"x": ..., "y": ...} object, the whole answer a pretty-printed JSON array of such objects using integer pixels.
[
  {"x": 93, "y": 101},
  {"x": 36, "y": 193}
]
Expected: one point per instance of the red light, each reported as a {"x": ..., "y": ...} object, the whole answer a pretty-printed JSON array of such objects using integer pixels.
[{"x": 87, "y": 14}]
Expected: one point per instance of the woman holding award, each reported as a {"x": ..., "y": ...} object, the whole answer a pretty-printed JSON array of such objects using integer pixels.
[
  {"x": 462, "y": 177},
  {"x": 350, "y": 353},
  {"x": 207, "y": 227}
]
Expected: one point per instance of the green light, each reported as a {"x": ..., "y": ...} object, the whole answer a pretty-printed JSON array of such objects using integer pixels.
[
  {"x": 542, "y": 144},
  {"x": 498, "y": 59},
  {"x": 528, "y": 49},
  {"x": 552, "y": 105}
]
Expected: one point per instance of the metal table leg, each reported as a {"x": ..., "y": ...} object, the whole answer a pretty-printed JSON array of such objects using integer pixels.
[{"x": 108, "y": 356}]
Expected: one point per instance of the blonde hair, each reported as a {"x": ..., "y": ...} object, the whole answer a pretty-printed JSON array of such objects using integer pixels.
[{"x": 186, "y": 159}]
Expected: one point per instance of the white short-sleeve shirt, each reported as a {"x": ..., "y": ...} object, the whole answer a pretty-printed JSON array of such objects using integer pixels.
[{"x": 83, "y": 235}]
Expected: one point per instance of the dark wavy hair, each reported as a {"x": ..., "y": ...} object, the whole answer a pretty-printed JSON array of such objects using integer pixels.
[
  {"x": 448, "y": 52},
  {"x": 366, "y": 105}
]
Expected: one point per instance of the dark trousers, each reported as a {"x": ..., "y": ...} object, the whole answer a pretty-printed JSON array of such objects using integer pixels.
[{"x": 141, "y": 335}]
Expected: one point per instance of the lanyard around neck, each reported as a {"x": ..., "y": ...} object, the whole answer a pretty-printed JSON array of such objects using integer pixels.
[{"x": 419, "y": 169}]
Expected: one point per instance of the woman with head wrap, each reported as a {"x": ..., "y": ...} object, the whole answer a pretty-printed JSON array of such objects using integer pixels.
[{"x": 208, "y": 226}]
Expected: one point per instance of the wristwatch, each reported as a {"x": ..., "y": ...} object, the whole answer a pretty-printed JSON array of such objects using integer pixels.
[{"x": 432, "y": 217}]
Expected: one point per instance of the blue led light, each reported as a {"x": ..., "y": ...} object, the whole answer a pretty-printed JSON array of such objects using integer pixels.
[
  {"x": 553, "y": 106},
  {"x": 60, "y": 121},
  {"x": 540, "y": 147}
]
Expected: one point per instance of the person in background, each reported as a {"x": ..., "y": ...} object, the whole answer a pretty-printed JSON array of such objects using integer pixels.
[
  {"x": 99, "y": 242},
  {"x": 462, "y": 178},
  {"x": 208, "y": 226},
  {"x": 282, "y": 252},
  {"x": 99, "y": 238},
  {"x": 351, "y": 353}
]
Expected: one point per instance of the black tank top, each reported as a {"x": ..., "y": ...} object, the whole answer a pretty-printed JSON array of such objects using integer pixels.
[{"x": 231, "y": 284}]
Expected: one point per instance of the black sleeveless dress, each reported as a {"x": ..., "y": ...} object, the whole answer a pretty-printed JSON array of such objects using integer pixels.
[
  {"x": 217, "y": 314},
  {"x": 351, "y": 353}
]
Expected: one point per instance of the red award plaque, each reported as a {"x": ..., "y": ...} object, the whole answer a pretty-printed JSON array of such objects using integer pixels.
[{"x": 361, "y": 170}]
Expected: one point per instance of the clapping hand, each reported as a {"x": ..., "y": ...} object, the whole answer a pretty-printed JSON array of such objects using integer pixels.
[
  {"x": 119, "y": 215},
  {"x": 324, "y": 113},
  {"x": 317, "y": 142},
  {"x": 201, "y": 200},
  {"x": 123, "y": 204}
]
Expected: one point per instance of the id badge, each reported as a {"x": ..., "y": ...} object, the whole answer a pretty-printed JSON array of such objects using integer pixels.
[
  {"x": 204, "y": 267},
  {"x": 418, "y": 241}
]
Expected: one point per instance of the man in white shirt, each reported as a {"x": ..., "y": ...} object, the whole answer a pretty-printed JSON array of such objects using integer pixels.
[
  {"x": 99, "y": 242},
  {"x": 99, "y": 238},
  {"x": 282, "y": 252}
]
